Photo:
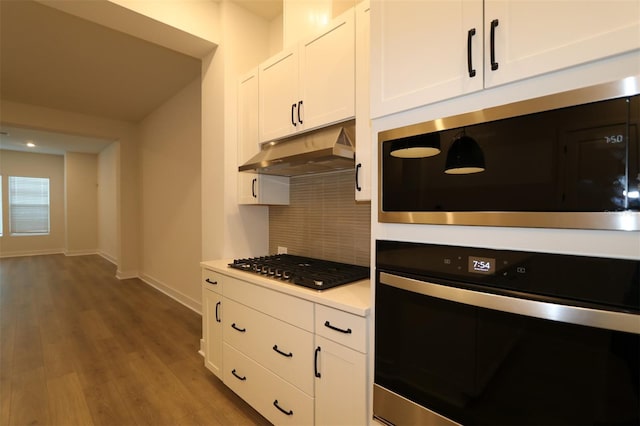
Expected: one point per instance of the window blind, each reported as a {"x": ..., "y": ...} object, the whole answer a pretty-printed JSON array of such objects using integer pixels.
[{"x": 28, "y": 205}]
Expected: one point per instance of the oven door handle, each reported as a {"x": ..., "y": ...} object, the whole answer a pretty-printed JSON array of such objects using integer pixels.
[{"x": 609, "y": 320}]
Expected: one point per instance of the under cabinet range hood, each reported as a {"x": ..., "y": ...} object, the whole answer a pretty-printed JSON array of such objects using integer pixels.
[{"x": 324, "y": 150}]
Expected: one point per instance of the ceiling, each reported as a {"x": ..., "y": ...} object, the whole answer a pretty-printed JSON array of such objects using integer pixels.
[{"x": 53, "y": 59}]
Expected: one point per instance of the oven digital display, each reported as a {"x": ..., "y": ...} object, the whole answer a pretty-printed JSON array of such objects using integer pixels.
[{"x": 482, "y": 265}]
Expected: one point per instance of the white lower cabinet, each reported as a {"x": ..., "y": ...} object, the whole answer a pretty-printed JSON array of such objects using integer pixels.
[
  {"x": 295, "y": 361},
  {"x": 340, "y": 367},
  {"x": 212, "y": 321},
  {"x": 340, "y": 387},
  {"x": 276, "y": 399}
]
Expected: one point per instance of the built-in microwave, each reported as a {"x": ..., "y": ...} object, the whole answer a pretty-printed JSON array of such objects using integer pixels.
[{"x": 567, "y": 160}]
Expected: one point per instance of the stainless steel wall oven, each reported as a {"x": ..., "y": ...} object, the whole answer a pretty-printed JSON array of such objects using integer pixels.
[
  {"x": 480, "y": 336},
  {"x": 568, "y": 160}
]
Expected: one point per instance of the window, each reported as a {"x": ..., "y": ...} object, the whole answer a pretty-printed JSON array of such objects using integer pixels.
[{"x": 28, "y": 205}]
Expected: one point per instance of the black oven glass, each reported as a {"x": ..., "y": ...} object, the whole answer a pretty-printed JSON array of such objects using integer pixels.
[
  {"x": 578, "y": 159},
  {"x": 477, "y": 366}
]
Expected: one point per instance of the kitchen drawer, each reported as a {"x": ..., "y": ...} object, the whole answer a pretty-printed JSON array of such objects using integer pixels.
[
  {"x": 212, "y": 280},
  {"x": 288, "y": 308},
  {"x": 342, "y": 327},
  {"x": 282, "y": 348},
  {"x": 262, "y": 389}
]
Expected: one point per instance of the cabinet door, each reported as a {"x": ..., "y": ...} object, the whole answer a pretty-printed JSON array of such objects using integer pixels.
[
  {"x": 248, "y": 145},
  {"x": 327, "y": 70},
  {"x": 279, "y": 96},
  {"x": 252, "y": 187},
  {"x": 419, "y": 52},
  {"x": 212, "y": 331},
  {"x": 341, "y": 385},
  {"x": 533, "y": 37},
  {"x": 363, "y": 123}
]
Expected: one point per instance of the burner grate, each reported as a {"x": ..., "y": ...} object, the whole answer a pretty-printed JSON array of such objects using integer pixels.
[{"x": 303, "y": 271}]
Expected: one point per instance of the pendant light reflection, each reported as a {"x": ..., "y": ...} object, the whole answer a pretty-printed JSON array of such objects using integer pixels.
[
  {"x": 419, "y": 146},
  {"x": 464, "y": 157}
]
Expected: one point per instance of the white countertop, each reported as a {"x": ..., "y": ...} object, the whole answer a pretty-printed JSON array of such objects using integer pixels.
[{"x": 354, "y": 298}]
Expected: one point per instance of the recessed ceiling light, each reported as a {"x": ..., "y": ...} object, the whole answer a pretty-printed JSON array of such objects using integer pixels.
[{"x": 31, "y": 144}]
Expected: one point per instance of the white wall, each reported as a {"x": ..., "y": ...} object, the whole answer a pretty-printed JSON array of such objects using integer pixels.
[
  {"x": 108, "y": 160},
  {"x": 26, "y": 164},
  {"x": 47, "y": 119},
  {"x": 81, "y": 203},
  {"x": 170, "y": 197}
]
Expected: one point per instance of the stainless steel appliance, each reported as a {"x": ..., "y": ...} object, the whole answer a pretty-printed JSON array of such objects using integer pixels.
[
  {"x": 479, "y": 336},
  {"x": 323, "y": 150},
  {"x": 568, "y": 160},
  {"x": 304, "y": 271}
]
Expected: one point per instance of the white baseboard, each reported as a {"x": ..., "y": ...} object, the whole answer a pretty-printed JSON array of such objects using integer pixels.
[
  {"x": 174, "y": 294},
  {"x": 79, "y": 252},
  {"x": 126, "y": 275},
  {"x": 108, "y": 257},
  {"x": 201, "y": 351},
  {"x": 31, "y": 253}
]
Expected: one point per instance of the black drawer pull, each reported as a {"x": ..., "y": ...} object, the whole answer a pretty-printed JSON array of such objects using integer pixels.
[
  {"x": 358, "y": 187},
  {"x": 243, "y": 378},
  {"x": 288, "y": 413},
  {"x": 288, "y": 355},
  {"x": 470, "y": 34},
  {"x": 241, "y": 330},
  {"x": 293, "y": 109},
  {"x": 253, "y": 188},
  {"x": 218, "y": 312},
  {"x": 341, "y": 330},
  {"x": 299, "y": 108},
  {"x": 211, "y": 282},
  {"x": 315, "y": 362},
  {"x": 492, "y": 37}
]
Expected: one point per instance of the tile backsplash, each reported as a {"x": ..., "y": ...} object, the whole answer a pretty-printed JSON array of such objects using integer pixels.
[{"x": 323, "y": 220}]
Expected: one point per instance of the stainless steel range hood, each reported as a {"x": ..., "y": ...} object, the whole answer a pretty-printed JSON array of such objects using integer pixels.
[{"x": 324, "y": 150}]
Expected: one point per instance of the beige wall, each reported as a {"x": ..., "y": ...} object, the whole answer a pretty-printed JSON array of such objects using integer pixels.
[
  {"x": 14, "y": 163},
  {"x": 40, "y": 118},
  {"x": 170, "y": 197},
  {"x": 81, "y": 203},
  {"x": 108, "y": 160}
]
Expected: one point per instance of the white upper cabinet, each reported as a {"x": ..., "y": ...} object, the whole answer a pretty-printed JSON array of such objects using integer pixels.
[
  {"x": 279, "y": 97},
  {"x": 534, "y": 37},
  {"x": 254, "y": 188},
  {"x": 419, "y": 52},
  {"x": 363, "y": 123},
  {"x": 311, "y": 84},
  {"x": 426, "y": 51}
]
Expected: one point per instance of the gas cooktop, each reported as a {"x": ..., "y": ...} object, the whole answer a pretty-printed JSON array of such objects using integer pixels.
[{"x": 304, "y": 271}]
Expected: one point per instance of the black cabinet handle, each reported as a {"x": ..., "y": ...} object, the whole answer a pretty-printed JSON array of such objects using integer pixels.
[
  {"x": 211, "y": 282},
  {"x": 299, "y": 108},
  {"x": 288, "y": 355},
  {"x": 358, "y": 167},
  {"x": 494, "y": 64},
  {"x": 288, "y": 413},
  {"x": 470, "y": 34},
  {"x": 241, "y": 330},
  {"x": 217, "y": 315},
  {"x": 341, "y": 330},
  {"x": 243, "y": 378},
  {"x": 315, "y": 362},
  {"x": 253, "y": 187},
  {"x": 293, "y": 108}
]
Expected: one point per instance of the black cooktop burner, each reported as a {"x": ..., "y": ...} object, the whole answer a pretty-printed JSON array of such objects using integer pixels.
[{"x": 304, "y": 271}]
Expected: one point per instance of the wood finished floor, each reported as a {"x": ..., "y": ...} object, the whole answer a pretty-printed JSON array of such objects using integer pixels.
[{"x": 79, "y": 347}]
